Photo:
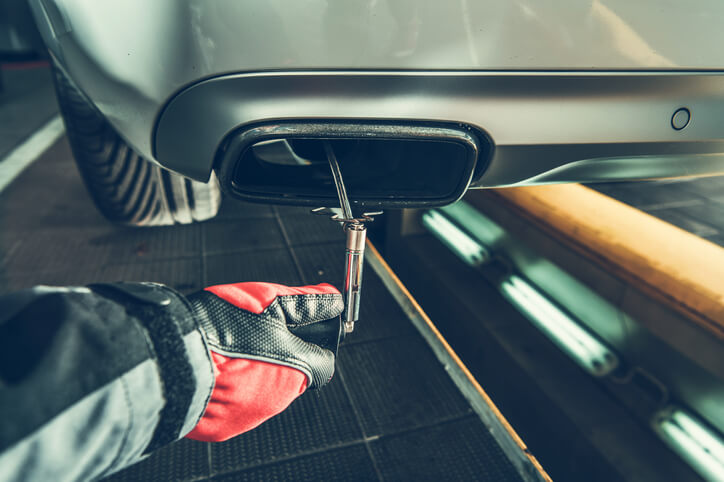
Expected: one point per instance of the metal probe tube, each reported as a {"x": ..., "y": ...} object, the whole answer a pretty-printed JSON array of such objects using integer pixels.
[
  {"x": 355, "y": 250},
  {"x": 355, "y": 254},
  {"x": 338, "y": 182}
]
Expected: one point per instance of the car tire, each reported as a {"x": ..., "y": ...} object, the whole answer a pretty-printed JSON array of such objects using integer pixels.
[{"x": 127, "y": 188}]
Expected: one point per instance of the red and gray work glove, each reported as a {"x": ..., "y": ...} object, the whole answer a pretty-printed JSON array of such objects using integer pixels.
[{"x": 260, "y": 365}]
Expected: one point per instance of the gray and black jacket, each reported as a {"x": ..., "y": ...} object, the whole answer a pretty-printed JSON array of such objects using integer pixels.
[{"x": 93, "y": 379}]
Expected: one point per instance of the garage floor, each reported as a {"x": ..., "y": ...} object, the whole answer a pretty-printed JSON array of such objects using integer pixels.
[
  {"x": 391, "y": 412},
  {"x": 27, "y": 101}
]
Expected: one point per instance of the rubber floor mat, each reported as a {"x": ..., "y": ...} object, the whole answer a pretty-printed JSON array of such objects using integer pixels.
[
  {"x": 398, "y": 384},
  {"x": 316, "y": 421},
  {"x": 428, "y": 454},
  {"x": 183, "y": 460},
  {"x": 343, "y": 465}
]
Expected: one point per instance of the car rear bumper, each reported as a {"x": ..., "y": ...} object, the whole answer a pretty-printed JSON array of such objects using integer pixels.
[{"x": 544, "y": 126}]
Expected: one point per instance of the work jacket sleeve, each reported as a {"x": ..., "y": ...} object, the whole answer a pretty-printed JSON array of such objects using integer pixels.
[{"x": 93, "y": 379}]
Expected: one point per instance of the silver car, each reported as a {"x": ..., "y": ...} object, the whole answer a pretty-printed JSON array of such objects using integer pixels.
[{"x": 419, "y": 100}]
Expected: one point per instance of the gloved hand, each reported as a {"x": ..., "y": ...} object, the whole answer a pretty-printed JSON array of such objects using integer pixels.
[{"x": 260, "y": 366}]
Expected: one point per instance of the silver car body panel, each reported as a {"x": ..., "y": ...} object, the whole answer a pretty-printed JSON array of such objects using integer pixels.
[
  {"x": 545, "y": 126},
  {"x": 132, "y": 57}
]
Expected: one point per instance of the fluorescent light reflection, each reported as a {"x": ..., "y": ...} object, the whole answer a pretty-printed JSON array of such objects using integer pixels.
[
  {"x": 459, "y": 242},
  {"x": 481, "y": 228},
  {"x": 592, "y": 355},
  {"x": 696, "y": 443}
]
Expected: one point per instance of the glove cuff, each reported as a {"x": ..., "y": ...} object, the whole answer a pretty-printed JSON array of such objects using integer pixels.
[{"x": 183, "y": 360}]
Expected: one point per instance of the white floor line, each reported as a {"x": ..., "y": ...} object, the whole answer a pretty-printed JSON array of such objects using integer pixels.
[{"x": 29, "y": 150}]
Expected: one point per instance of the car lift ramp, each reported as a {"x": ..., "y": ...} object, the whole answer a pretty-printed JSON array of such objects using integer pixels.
[{"x": 401, "y": 405}]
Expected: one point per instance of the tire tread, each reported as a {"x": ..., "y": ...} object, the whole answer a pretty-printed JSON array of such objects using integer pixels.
[{"x": 125, "y": 187}]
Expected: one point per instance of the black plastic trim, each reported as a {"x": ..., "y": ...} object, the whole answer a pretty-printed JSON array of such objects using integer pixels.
[{"x": 477, "y": 147}]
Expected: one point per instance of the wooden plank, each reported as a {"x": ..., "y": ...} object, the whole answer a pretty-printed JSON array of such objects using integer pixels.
[{"x": 674, "y": 266}]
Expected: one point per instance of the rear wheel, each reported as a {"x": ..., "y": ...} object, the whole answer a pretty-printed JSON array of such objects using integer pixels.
[{"x": 125, "y": 187}]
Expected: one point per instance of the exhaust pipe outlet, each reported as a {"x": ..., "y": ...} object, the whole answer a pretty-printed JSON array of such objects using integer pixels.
[{"x": 385, "y": 165}]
